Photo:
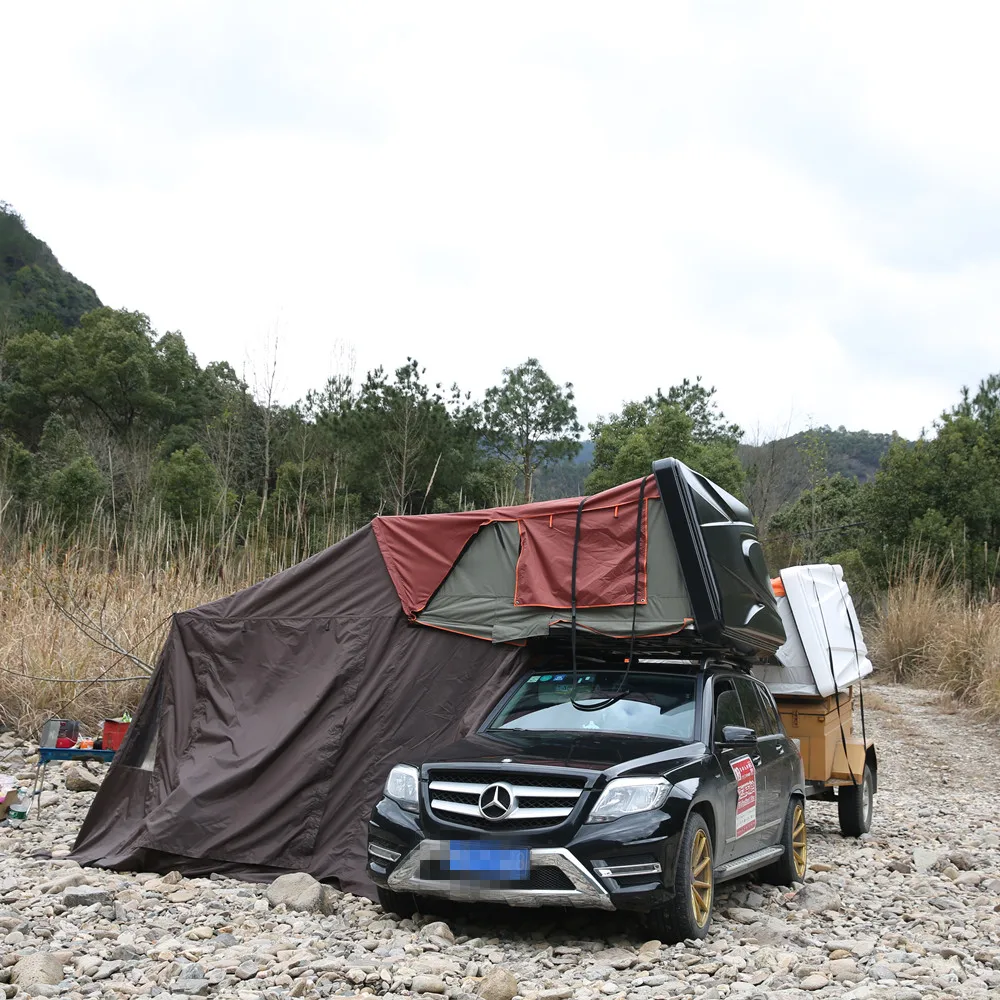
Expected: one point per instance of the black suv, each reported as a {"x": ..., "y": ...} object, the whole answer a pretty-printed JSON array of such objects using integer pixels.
[{"x": 600, "y": 787}]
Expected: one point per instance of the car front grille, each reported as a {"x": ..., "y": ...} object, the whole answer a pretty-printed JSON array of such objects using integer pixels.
[
  {"x": 534, "y": 779},
  {"x": 540, "y": 799}
]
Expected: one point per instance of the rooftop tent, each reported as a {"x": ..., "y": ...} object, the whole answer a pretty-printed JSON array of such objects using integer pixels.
[
  {"x": 825, "y": 652},
  {"x": 274, "y": 714},
  {"x": 673, "y": 558}
]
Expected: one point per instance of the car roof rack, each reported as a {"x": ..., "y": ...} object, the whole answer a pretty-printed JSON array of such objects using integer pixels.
[
  {"x": 613, "y": 656},
  {"x": 646, "y": 648}
]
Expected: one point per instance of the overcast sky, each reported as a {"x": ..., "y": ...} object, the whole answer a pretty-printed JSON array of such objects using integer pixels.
[{"x": 799, "y": 202}]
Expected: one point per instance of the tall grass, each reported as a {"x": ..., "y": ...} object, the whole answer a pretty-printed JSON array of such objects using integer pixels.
[
  {"x": 72, "y": 603},
  {"x": 930, "y": 629}
]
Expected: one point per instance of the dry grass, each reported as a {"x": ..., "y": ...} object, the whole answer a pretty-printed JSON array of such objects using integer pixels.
[
  {"x": 122, "y": 588},
  {"x": 879, "y": 703},
  {"x": 930, "y": 631},
  {"x": 909, "y": 618}
]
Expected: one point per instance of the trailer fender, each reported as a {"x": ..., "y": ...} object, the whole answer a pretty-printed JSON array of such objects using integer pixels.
[{"x": 871, "y": 759}]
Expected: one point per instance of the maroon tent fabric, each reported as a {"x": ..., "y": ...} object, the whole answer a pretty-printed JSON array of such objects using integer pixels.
[
  {"x": 605, "y": 573},
  {"x": 273, "y": 718},
  {"x": 420, "y": 550}
]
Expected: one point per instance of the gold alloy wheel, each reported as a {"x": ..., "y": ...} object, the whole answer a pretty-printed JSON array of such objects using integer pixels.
[
  {"x": 799, "y": 840},
  {"x": 701, "y": 878}
]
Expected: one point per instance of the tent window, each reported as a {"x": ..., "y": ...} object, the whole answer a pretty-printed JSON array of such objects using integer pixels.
[
  {"x": 150, "y": 756},
  {"x": 139, "y": 749}
]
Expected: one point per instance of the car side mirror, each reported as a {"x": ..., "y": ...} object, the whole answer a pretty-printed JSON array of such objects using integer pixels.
[{"x": 738, "y": 736}]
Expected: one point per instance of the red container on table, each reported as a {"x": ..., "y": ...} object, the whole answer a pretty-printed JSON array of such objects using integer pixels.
[{"x": 113, "y": 734}]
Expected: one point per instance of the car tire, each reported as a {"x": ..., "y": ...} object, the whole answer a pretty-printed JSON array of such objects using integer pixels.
[
  {"x": 689, "y": 914},
  {"x": 791, "y": 866},
  {"x": 855, "y": 804},
  {"x": 403, "y": 904}
]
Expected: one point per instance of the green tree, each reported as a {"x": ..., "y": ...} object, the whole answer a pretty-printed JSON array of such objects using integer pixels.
[
  {"x": 405, "y": 446},
  {"x": 940, "y": 493},
  {"x": 660, "y": 426},
  {"x": 112, "y": 369},
  {"x": 74, "y": 491},
  {"x": 17, "y": 472},
  {"x": 60, "y": 445},
  {"x": 530, "y": 421},
  {"x": 187, "y": 484},
  {"x": 823, "y": 524},
  {"x": 698, "y": 402}
]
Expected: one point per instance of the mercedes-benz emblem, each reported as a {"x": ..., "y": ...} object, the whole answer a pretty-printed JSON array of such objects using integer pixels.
[{"x": 497, "y": 801}]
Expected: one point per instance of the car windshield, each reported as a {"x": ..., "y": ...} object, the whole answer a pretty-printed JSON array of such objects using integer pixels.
[{"x": 649, "y": 704}]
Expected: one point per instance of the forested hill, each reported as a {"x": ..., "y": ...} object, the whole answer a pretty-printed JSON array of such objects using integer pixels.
[
  {"x": 35, "y": 290},
  {"x": 852, "y": 454},
  {"x": 111, "y": 429}
]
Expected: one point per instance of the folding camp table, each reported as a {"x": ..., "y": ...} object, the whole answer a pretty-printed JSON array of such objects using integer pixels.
[{"x": 45, "y": 754}]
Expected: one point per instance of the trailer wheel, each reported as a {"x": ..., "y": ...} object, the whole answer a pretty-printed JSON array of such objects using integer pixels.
[{"x": 855, "y": 804}]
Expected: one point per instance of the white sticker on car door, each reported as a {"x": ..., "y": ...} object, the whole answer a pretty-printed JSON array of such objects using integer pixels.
[{"x": 746, "y": 795}]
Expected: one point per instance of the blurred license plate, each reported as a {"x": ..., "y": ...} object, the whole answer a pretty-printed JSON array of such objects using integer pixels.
[{"x": 489, "y": 860}]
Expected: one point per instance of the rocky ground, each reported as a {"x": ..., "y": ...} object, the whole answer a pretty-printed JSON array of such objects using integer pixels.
[{"x": 910, "y": 911}]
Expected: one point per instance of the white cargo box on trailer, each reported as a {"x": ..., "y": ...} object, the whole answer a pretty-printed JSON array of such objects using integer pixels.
[{"x": 824, "y": 652}]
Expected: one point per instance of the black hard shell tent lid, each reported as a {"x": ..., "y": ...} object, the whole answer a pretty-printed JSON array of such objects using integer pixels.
[{"x": 273, "y": 715}]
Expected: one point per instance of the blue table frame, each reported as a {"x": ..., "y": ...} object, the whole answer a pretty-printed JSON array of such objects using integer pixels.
[{"x": 46, "y": 754}]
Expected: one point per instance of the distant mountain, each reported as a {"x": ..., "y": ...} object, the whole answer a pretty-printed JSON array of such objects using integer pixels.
[
  {"x": 566, "y": 478},
  {"x": 853, "y": 454},
  {"x": 784, "y": 463},
  {"x": 779, "y": 471},
  {"x": 35, "y": 290}
]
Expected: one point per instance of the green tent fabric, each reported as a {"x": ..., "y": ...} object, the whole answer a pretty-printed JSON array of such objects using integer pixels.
[{"x": 478, "y": 596}]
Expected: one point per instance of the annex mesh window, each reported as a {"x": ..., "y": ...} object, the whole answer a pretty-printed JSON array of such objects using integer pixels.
[{"x": 139, "y": 748}]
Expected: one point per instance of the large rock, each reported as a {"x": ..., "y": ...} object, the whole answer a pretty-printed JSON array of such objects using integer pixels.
[
  {"x": 79, "y": 779},
  {"x": 617, "y": 958},
  {"x": 64, "y": 882},
  {"x": 440, "y": 929},
  {"x": 924, "y": 860},
  {"x": 500, "y": 984},
  {"x": 844, "y": 968},
  {"x": 431, "y": 964},
  {"x": 817, "y": 898},
  {"x": 86, "y": 895},
  {"x": 814, "y": 982},
  {"x": 298, "y": 891},
  {"x": 38, "y": 969},
  {"x": 428, "y": 984},
  {"x": 649, "y": 950}
]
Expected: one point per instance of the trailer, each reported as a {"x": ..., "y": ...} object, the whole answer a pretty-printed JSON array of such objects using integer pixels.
[{"x": 816, "y": 678}]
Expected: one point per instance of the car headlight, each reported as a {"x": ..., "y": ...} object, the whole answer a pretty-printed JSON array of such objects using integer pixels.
[
  {"x": 625, "y": 796},
  {"x": 402, "y": 786}
]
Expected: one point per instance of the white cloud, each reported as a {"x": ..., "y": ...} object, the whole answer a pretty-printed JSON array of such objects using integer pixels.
[{"x": 797, "y": 203}]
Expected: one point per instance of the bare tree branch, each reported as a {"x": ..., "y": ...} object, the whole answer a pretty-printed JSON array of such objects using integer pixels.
[
  {"x": 87, "y": 687},
  {"x": 73, "y": 680},
  {"x": 83, "y": 621}
]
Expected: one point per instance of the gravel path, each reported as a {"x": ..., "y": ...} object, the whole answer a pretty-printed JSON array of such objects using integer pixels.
[{"x": 911, "y": 911}]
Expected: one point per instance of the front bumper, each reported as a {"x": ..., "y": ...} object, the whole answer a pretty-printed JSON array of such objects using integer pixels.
[
  {"x": 624, "y": 865},
  {"x": 585, "y": 890}
]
